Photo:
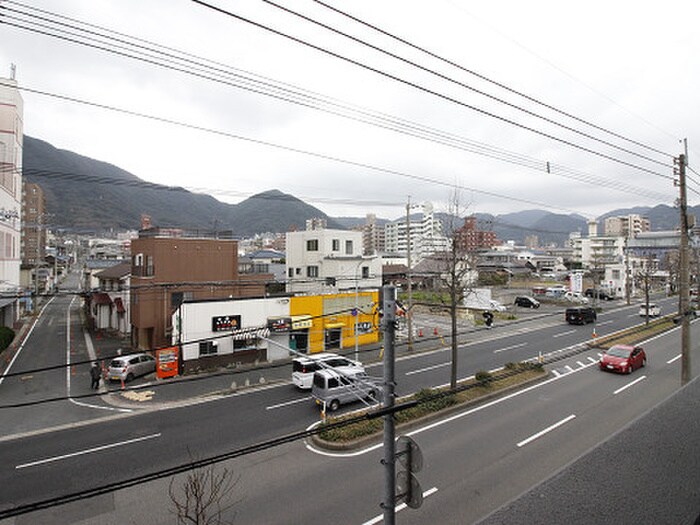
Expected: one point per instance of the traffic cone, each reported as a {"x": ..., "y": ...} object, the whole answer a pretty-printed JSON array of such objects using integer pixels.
[
  {"x": 420, "y": 332},
  {"x": 435, "y": 331},
  {"x": 122, "y": 383}
]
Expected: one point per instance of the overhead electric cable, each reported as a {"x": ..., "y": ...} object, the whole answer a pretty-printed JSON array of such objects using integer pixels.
[
  {"x": 466, "y": 86},
  {"x": 428, "y": 90},
  {"x": 300, "y": 151},
  {"x": 489, "y": 80}
]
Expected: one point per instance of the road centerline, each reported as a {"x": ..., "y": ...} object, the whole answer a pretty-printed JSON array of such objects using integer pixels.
[
  {"x": 512, "y": 347},
  {"x": 87, "y": 451},
  {"x": 546, "y": 430},
  {"x": 288, "y": 403},
  {"x": 623, "y": 388},
  {"x": 562, "y": 334},
  {"x": 427, "y": 368}
]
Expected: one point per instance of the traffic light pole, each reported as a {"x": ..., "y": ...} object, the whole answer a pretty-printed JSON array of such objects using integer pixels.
[{"x": 389, "y": 320}]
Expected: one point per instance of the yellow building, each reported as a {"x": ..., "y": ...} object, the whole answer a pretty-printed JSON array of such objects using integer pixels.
[{"x": 324, "y": 323}]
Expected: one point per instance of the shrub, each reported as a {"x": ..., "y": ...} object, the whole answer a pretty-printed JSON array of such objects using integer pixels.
[
  {"x": 483, "y": 378},
  {"x": 7, "y": 335}
]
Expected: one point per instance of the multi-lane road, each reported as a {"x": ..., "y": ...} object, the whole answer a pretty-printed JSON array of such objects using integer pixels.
[{"x": 475, "y": 461}]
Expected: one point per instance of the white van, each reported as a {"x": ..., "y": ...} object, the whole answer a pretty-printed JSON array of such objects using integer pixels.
[
  {"x": 654, "y": 310},
  {"x": 332, "y": 389},
  {"x": 303, "y": 367}
]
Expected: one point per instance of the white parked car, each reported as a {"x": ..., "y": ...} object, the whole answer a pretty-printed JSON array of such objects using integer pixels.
[
  {"x": 576, "y": 297},
  {"x": 654, "y": 310},
  {"x": 496, "y": 306},
  {"x": 304, "y": 367}
]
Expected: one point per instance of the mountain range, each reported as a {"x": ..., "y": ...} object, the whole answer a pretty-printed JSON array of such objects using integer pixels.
[{"x": 88, "y": 195}]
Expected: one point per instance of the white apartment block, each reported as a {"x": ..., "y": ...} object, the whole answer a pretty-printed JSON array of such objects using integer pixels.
[
  {"x": 426, "y": 236},
  {"x": 11, "y": 138},
  {"x": 329, "y": 261},
  {"x": 626, "y": 225},
  {"x": 596, "y": 251}
]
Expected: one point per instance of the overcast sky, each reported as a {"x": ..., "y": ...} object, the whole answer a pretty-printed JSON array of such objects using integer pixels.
[{"x": 630, "y": 68}]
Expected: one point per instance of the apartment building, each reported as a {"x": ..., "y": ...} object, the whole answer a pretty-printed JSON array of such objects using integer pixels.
[
  {"x": 168, "y": 266},
  {"x": 626, "y": 225},
  {"x": 469, "y": 238},
  {"x": 327, "y": 261},
  {"x": 11, "y": 139},
  {"x": 424, "y": 235}
]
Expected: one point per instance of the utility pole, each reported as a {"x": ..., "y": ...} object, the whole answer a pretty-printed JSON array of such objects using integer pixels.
[
  {"x": 683, "y": 302},
  {"x": 409, "y": 312},
  {"x": 389, "y": 319}
]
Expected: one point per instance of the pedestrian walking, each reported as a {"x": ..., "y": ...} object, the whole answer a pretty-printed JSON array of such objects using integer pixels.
[{"x": 95, "y": 376}]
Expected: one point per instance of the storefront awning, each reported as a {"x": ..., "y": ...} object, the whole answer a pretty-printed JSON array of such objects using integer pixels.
[
  {"x": 300, "y": 322},
  {"x": 334, "y": 325},
  {"x": 250, "y": 333}
]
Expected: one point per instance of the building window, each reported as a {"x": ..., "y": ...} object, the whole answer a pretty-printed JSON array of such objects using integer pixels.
[
  {"x": 298, "y": 271},
  {"x": 312, "y": 271},
  {"x": 312, "y": 245},
  {"x": 336, "y": 245},
  {"x": 365, "y": 272},
  {"x": 348, "y": 247},
  {"x": 290, "y": 272},
  {"x": 208, "y": 348}
]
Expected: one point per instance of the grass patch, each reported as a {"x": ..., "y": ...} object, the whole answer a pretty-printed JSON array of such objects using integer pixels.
[
  {"x": 430, "y": 401},
  {"x": 636, "y": 334}
]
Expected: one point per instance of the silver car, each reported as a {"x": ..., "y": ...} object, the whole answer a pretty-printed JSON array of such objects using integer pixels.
[
  {"x": 127, "y": 367},
  {"x": 332, "y": 388}
]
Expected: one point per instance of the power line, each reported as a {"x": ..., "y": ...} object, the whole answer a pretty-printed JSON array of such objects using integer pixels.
[
  {"x": 81, "y": 177},
  {"x": 428, "y": 90},
  {"x": 462, "y": 84},
  {"x": 487, "y": 79}
]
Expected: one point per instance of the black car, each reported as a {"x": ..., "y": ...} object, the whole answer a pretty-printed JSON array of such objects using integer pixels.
[
  {"x": 600, "y": 294},
  {"x": 582, "y": 315},
  {"x": 526, "y": 302}
]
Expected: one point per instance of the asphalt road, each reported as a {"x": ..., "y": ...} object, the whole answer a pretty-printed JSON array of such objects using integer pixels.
[
  {"x": 45, "y": 465},
  {"x": 475, "y": 461}
]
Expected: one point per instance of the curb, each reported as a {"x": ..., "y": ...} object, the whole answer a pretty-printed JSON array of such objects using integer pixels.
[{"x": 428, "y": 418}]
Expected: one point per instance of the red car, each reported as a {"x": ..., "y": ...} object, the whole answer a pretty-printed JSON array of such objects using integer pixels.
[{"x": 623, "y": 358}]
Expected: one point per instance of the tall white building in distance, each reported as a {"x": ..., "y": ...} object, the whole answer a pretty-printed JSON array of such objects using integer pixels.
[
  {"x": 11, "y": 134},
  {"x": 426, "y": 235}
]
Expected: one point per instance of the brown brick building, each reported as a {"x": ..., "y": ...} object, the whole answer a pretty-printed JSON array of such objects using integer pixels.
[
  {"x": 169, "y": 266},
  {"x": 470, "y": 239}
]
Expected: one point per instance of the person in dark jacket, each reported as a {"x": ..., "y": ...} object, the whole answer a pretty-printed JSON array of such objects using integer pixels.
[{"x": 95, "y": 376}]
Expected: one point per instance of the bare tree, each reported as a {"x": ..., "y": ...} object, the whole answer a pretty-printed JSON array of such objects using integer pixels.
[
  {"x": 645, "y": 279},
  {"x": 204, "y": 497},
  {"x": 458, "y": 263}
]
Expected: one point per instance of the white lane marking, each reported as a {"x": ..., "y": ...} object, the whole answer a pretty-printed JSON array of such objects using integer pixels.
[
  {"x": 556, "y": 374},
  {"x": 569, "y": 332},
  {"x": 629, "y": 385},
  {"x": 592, "y": 360},
  {"x": 674, "y": 359},
  {"x": 87, "y": 451},
  {"x": 512, "y": 347},
  {"x": 26, "y": 338},
  {"x": 579, "y": 363},
  {"x": 380, "y": 518},
  {"x": 604, "y": 323},
  {"x": 546, "y": 430},
  {"x": 569, "y": 368},
  {"x": 287, "y": 403},
  {"x": 433, "y": 367}
]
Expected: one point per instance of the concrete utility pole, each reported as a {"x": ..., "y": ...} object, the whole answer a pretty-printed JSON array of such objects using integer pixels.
[
  {"x": 683, "y": 301},
  {"x": 409, "y": 312},
  {"x": 389, "y": 319}
]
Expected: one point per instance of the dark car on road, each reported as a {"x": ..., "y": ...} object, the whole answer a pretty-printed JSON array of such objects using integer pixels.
[
  {"x": 600, "y": 294},
  {"x": 582, "y": 315},
  {"x": 623, "y": 359},
  {"x": 526, "y": 302}
]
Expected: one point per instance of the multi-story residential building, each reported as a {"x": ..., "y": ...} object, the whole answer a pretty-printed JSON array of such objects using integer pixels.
[
  {"x": 373, "y": 239},
  {"x": 33, "y": 246},
  {"x": 168, "y": 267},
  {"x": 425, "y": 232},
  {"x": 11, "y": 139},
  {"x": 597, "y": 251},
  {"x": 470, "y": 239},
  {"x": 321, "y": 261},
  {"x": 626, "y": 225}
]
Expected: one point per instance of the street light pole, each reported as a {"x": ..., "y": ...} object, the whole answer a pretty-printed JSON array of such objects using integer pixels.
[{"x": 409, "y": 314}]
